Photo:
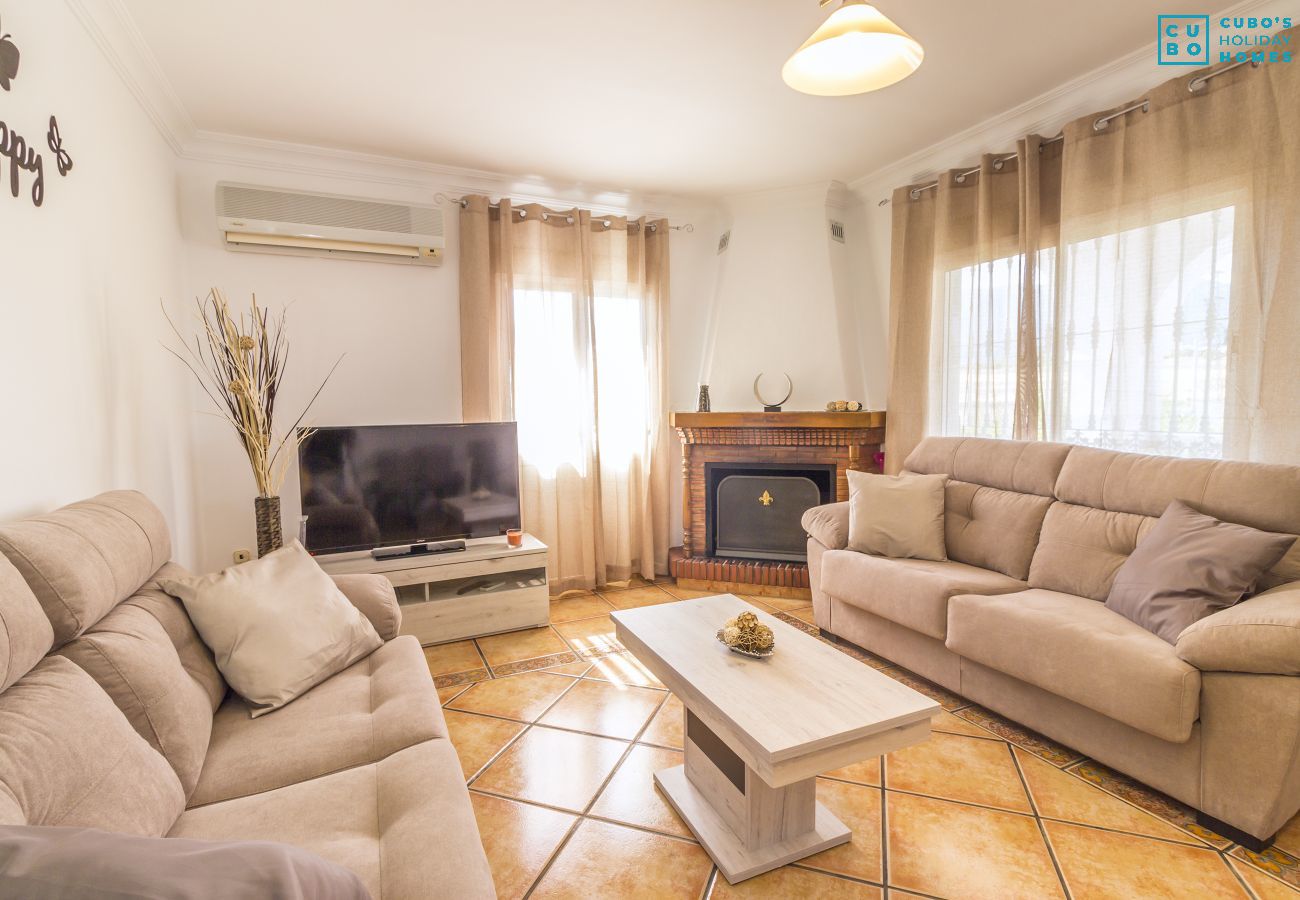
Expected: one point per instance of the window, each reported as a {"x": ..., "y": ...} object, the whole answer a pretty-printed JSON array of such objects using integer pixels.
[
  {"x": 1142, "y": 327},
  {"x": 552, "y": 384},
  {"x": 1132, "y": 342}
]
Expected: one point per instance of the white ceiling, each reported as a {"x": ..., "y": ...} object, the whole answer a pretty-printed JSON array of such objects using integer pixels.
[{"x": 670, "y": 96}]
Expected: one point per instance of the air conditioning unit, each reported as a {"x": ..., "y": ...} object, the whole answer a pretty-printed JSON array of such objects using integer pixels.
[{"x": 274, "y": 220}]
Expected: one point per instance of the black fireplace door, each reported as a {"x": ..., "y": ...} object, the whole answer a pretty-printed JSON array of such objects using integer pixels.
[{"x": 758, "y": 516}]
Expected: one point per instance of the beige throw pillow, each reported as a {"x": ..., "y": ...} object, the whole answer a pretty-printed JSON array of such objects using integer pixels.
[
  {"x": 277, "y": 626},
  {"x": 900, "y": 516}
]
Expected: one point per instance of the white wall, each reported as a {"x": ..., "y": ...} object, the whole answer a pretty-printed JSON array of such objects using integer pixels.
[
  {"x": 784, "y": 303},
  {"x": 88, "y": 398},
  {"x": 397, "y": 326}
]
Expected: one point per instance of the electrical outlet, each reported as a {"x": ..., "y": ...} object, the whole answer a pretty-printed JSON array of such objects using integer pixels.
[{"x": 242, "y": 555}]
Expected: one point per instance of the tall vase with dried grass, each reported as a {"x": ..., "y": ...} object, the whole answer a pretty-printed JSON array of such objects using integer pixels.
[{"x": 239, "y": 360}]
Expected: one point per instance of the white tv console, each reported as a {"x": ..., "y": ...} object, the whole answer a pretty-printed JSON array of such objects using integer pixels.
[{"x": 487, "y": 588}]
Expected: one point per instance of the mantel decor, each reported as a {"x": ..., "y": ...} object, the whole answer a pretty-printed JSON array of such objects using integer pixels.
[{"x": 239, "y": 361}]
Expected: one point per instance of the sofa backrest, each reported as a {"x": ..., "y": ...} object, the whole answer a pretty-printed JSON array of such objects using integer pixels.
[
  {"x": 94, "y": 568},
  {"x": 1108, "y": 501},
  {"x": 67, "y": 754},
  {"x": 998, "y": 493}
]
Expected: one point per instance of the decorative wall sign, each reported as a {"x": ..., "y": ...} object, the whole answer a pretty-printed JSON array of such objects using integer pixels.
[
  {"x": 8, "y": 61},
  {"x": 22, "y": 156}
]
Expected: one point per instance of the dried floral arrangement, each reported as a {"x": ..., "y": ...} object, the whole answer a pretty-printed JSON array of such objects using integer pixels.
[
  {"x": 239, "y": 361},
  {"x": 745, "y": 634}
]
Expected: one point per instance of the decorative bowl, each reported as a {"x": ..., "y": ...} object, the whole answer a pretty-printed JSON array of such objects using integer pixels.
[{"x": 755, "y": 654}]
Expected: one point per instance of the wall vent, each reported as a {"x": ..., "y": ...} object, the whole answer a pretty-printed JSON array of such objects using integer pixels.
[
  {"x": 724, "y": 242},
  {"x": 837, "y": 231}
]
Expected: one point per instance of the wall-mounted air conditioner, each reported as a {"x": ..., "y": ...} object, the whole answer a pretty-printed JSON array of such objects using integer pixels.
[{"x": 301, "y": 223}]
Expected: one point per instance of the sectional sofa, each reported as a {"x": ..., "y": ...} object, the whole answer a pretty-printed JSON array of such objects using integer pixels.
[
  {"x": 114, "y": 716},
  {"x": 1015, "y": 618}
]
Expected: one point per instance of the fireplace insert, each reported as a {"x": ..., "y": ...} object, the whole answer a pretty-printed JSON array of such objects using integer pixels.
[{"x": 753, "y": 510}]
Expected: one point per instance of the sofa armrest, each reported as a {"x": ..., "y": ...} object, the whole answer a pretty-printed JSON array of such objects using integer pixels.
[
  {"x": 829, "y": 524},
  {"x": 374, "y": 596},
  {"x": 1260, "y": 635}
]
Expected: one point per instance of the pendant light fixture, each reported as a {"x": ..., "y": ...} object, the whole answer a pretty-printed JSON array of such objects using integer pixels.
[{"x": 857, "y": 49}]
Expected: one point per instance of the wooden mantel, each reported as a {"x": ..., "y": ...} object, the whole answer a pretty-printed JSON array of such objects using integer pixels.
[
  {"x": 866, "y": 419},
  {"x": 847, "y": 440}
]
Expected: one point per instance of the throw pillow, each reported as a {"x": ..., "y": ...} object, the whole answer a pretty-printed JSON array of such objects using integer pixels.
[
  {"x": 39, "y": 863},
  {"x": 897, "y": 515},
  {"x": 1189, "y": 566},
  {"x": 277, "y": 626}
]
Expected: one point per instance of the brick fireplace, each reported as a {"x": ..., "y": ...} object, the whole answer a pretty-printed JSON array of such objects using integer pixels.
[{"x": 787, "y": 461}]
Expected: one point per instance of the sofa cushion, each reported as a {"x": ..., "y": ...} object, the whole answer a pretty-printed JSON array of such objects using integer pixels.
[
  {"x": 40, "y": 863},
  {"x": 1080, "y": 549},
  {"x": 195, "y": 657},
  {"x": 1259, "y": 635},
  {"x": 1080, "y": 650},
  {"x": 131, "y": 657},
  {"x": 374, "y": 598},
  {"x": 375, "y": 707},
  {"x": 1026, "y": 467},
  {"x": 1262, "y": 496},
  {"x": 84, "y": 559},
  {"x": 911, "y": 592},
  {"x": 992, "y": 528},
  {"x": 829, "y": 524},
  {"x": 404, "y": 824},
  {"x": 25, "y": 633},
  {"x": 69, "y": 757}
]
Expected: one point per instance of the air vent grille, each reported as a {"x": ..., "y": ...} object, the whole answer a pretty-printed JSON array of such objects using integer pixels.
[{"x": 237, "y": 202}]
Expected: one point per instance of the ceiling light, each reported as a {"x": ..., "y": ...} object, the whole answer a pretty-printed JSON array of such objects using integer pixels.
[{"x": 857, "y": 49}]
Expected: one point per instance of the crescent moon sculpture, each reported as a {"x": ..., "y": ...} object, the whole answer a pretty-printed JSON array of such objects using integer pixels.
[{"x": 773, "y": 407}]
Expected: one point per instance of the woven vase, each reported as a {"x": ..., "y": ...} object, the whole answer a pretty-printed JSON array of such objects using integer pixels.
[{"x": 269, "y": 535}]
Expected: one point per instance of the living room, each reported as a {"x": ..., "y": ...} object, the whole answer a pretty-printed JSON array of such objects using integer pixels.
[{"x": 841, "y": 450}]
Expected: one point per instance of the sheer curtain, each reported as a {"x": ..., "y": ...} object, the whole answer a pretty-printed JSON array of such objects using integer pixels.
[
  {"x": 563, "y": 329},
  {"x": 1134, "y": 286}
]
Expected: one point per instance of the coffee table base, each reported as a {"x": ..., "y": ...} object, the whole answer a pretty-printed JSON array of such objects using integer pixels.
[{"x": 736, "y": 861}]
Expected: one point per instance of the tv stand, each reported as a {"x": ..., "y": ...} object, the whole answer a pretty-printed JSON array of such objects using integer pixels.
[{"x": 485, "y": 588}]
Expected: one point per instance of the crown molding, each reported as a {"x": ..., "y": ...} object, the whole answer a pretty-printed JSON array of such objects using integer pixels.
[
  {"x": 1116, "y": 81},
  {"x": 112, "y": 29},
  {"x": 114, "y": 32}
]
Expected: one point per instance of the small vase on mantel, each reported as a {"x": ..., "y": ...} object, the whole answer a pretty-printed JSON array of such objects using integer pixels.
[{"x": 269, "y": 534}]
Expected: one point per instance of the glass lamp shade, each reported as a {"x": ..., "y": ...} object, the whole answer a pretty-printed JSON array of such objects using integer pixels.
[{"x": 857, "y": 49}]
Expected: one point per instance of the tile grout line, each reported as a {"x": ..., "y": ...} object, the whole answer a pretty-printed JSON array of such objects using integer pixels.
[
  {"x": 884, "y": 824},
  {"x": 582, "y": 816},
  {"x": 1042, "y": 829},
  {"x": 1250, "y": 892},
  {"x": 528, "y": 726}
]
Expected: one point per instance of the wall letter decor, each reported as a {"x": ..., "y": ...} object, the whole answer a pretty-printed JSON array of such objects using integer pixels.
[{"x": 22, "y": 156}]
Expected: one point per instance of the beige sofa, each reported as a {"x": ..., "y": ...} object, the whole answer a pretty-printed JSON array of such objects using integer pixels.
[
  {"x": 1015, "y": 618},
  {"x": 114, "y": 716}
]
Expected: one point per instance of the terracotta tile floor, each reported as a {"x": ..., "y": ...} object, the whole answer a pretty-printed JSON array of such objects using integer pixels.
[{"x": 559, "y": 730}]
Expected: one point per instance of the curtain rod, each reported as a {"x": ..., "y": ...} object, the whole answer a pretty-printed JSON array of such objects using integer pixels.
[
  {"x": 462, "y": 202},
  {"x": 1099, "y": 124}
]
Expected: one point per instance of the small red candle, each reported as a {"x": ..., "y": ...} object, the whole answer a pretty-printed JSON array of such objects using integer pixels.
[{"x": 515, "y": 537}]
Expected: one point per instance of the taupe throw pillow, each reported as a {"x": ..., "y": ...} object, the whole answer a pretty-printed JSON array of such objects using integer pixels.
[
  {"x": 87, "y": 864},
  {"x": 277, "y": 626},
  {"x": 1190, "y": 566},
  {"x": 900, "y": 516}
]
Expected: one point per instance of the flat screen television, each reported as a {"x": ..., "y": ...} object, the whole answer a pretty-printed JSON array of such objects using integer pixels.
[{"x": 380, "y": 485}]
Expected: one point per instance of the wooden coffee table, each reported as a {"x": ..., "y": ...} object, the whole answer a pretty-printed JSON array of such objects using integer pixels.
[{"x": 759, "y": 731}]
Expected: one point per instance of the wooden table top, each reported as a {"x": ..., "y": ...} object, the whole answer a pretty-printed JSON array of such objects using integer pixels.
[{"x": 805, "y": 697}]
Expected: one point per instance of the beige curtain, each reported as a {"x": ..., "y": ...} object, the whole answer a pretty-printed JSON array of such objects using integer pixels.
[
  {"x": 1135, "y": 286},
  {"x": 564, "y": 329}
]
